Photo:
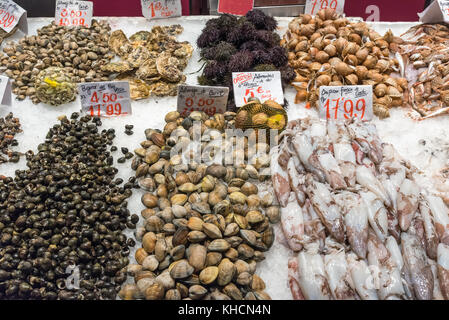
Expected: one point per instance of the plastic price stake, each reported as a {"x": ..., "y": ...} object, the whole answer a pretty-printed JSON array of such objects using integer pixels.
[
  {"x": 159, "y": 9},
  {"x": 262, "y": 85},
  {"x": 209, "y": 99},
  {"x": 5, "y": 91},
  {"x": 240, "y": 7},
  {"x": 313, "y": 6},
  {"x": 105, "y": 99},
  {"x": 72, "y": 13},
  {"x": 437, "y": 11},
  {"x": 12, "y": 14},
  {"x": 346, "y": 102}
]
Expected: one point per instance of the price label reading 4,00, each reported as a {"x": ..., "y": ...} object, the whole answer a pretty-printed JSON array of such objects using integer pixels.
[
  {"x": 346, "y": 102},
  {"x": 107, "y": 99},
  {"x": 73, "y": 13},
  {"x": 313, "y": 6},
  {"x": 156, "y": 9}
]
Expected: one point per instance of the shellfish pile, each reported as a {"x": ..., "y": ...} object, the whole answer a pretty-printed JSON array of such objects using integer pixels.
[
  {"x": 359, "y": 223},
  {"x": 152, "y": 61},
  {"x": 205, "y": 226},
  {"x": 330, "y": 50},
  {"x": 79, "y": 51},
  {"x": 426, "y": 56}
]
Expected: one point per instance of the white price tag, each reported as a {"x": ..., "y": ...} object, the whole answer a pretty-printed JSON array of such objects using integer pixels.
[
  {"x": 5, "y": 90},
  {"x": 209, "y": 99},
  {"x": 157, "y": 9},
  {"x": 264, "y": 85},
  {"x": 313, "y": 6},
  {"x": 346, "y": 102},
  {"x": 12, "y": 14},
  {"x": 437, "y": 11},
  {"x": 105, "y": 99},
  {"x": 73, "y": 13}
]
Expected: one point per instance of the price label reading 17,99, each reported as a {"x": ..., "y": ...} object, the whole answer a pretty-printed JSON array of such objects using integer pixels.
[
  {"x": 346, "y": 102},
  {"x": 10, "y": 15},
  {"x": 157, "y": 9},
  {"x": 105, "y": 99},
  {"x": 313, "y": 6},
  {"x": 208, "y": 99},
  {"x": 73, "y": 13}
]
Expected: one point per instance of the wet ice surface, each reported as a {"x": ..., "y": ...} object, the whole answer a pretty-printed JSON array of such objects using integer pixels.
[{"x": 400, "y": 130}]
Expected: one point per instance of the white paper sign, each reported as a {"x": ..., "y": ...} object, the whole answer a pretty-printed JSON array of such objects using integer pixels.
[
  {"x": 105, "y": 99},
  {"x": 157, "y": 9},
  {"x": 12, "y": 14},
  {"x": 313, "y": 6},
  {"x": 437, "y": 11},
  {"x": 73, "y": 13},
  {"x": 346, "y": 102},
  {"x": 264, "y": 85},
  {"x": 5, "y": 90},
  {"x": 209, "y": 99}
]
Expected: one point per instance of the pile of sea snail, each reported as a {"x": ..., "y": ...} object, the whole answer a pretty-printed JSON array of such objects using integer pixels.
[
  {"x": 205, "y": 227},
  {"x": 80, "y": 51},
  {"x": 329, "y": 50},
  {"x": 65, "y": 210}
]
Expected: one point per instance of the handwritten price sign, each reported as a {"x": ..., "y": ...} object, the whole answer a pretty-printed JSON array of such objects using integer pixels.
[
  {"x": 157, "y": 9},
  {"x": 346, "y": 102},
  {"x": 72, "y": 13},
  {"x": 208, "y": 99},
  {"x": 313, "y": 6},
  {"x": 10, "y": 15},
  {"x": 105, "y": 99},
  {"x": 262, "y": 85}
]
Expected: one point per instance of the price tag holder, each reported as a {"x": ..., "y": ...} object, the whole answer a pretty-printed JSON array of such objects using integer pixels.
[
  {"x": 346, "y": 102},
  {"x": 313, "y": 6},
  {"x": 209, "y": 99},
  {"x": 72, "y": 13},
  {"x": 5, "y": 90},
  {"x": 12, "y": 15},
  {"x": 437, "y": 11},
  {"x": 264, "y": 85},
  {"x": 105, "y": 99},
  {"x": 160, "y": 9},
  {"x": 240, "y": 7}
]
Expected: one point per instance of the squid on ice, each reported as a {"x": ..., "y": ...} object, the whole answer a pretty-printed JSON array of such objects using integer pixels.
[{"x": 359, "y": 224}]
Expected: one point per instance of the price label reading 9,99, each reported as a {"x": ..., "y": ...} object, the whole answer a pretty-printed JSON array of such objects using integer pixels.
[
  {"x": 313, "y": 6},
  {"x": 10, "y": 15},
  {"x": 105, "y": 99},
  {"x": 346, "y": 102},
  {"x": 72, "y": 13}
]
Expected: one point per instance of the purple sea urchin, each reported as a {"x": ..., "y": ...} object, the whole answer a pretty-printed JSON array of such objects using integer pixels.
[
  {"x": 241, "y": 61},
  {"x": 261, "y": 20}
]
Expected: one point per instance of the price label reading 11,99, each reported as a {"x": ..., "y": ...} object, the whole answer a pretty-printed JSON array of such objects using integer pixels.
[
  {"x": 105, "y": 99},
  {"x": 73, "y": 13},
  {"x": 346, "y": 102},
  {"x": 313, "y": 6}
]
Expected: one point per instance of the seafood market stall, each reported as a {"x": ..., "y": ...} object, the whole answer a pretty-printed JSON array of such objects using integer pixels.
[{"x": 351, "y": 202}]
